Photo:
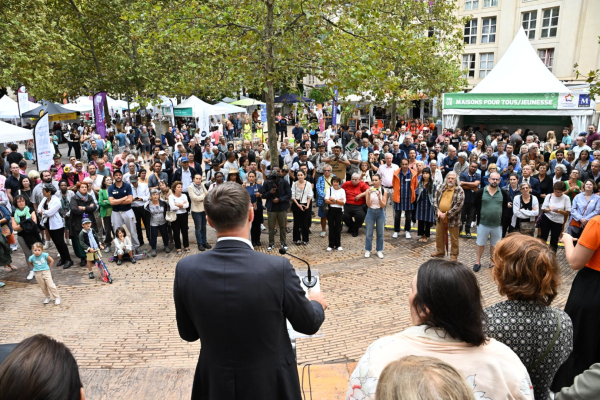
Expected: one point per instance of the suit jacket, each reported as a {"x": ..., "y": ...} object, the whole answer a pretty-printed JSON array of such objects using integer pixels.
[
  {"x": 179, "y": 171},
  {"x": 236, "y": 301}
]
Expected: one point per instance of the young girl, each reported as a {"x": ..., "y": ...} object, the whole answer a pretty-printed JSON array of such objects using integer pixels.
[
  {"x": 122, "y": 244},
  {"x": 41, "y": 263}
]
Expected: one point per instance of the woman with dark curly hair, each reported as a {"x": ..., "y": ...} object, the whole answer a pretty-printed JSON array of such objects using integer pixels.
[{"x": 527, "y": 273}]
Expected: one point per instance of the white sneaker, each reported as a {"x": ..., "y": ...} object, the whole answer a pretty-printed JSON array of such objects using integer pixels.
[
  {"x": 262, "y": 227},
  {"x": 107, "y": 249},
  {"x": 47, "y": 301},
  {"x": 340, "y": 248},
  {"x": 31, "y": 275},
  {"x": 70, "y": 243},
  {"x": 47, "y": 245},
  {"x": 329, "y": 249},
  {"x": 395, "y": 235},
  {"x": 380, "y": 254},
  {"x": 408, "y": 235},
  {"x": 367, "y": 254},
  {"x": 14, "y": 247},
  {"x": 56, "y": 302}
]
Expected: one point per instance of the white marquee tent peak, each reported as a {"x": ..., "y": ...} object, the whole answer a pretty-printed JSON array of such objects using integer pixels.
[{"x": 520, "y": 70}]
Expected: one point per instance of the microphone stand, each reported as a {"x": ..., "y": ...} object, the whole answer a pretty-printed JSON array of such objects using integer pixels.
[{"x": 309, "y": 280}]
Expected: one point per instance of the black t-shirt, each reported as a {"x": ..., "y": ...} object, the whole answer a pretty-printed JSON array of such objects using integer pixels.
[
  {"x": 14, "y": 157},
  {"x": 12, "y": 183}
]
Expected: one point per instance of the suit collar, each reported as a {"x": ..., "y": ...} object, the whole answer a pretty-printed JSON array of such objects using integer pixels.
[{"x": 233, "y": 241}]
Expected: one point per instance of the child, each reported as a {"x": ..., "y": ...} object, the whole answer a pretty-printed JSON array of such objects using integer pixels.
[
  {"x": 41, "y": 263},
  {"x": 89, "y": 242},
  {"x": 123, "y": 244}
]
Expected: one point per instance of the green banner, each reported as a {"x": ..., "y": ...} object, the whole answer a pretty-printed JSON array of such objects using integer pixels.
[
  {"x": 501, "y": 101},
  {"x": 496, "y": 121},
  {"x": 183, "y": 112}
]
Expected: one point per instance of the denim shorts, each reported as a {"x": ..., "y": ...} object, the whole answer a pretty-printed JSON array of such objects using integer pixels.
[{"x": 485, "y": 232}]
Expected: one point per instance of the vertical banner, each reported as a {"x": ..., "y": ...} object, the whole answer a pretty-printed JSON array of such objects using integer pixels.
[
  {"x": 22, "y": 101},
  {"x": 320, "y": 117},
  {"x": 334, "y": 106},
  {"x": 99, "y": 117},
  {"x": 43, "y": 144},
  {"x": 173, "y": 113}
]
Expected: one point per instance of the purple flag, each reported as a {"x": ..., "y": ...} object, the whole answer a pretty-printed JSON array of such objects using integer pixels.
[{"x": 99, "y": 99}]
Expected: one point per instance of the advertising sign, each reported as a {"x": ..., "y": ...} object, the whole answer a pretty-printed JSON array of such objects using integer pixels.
[{"x": 43, "y": 144}]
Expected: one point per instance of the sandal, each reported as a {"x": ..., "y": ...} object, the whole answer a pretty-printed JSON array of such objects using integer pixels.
[
  {"x": 179, "y": 252},
  {"x": 7, "y": 268},
  {"x": 187, "y": 250},
  {"x": 12, "y": 267}
]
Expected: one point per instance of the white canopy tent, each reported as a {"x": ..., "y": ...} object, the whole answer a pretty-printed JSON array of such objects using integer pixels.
[
  {"x": 9, "y": 109},
  {"x": 13, "y": 133},
  {"x": 198, "y": 109},
  {"x": 231, "y": 100},
  {"x": 520, "y": 85},
  {"x": 231, "y": 109}
]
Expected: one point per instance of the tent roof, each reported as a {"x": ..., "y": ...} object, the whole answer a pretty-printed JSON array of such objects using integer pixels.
[
  {"x": 520, "y": 70},
  {"x": 196, "y": 105},
  {"x": 291, "y": 98},
  {"x": 247, "y": 102},
  {"x": 231, "y": 99},
  {"x": 49, "y": 108},
  {"x": 9, "y": 108},
  {"x": 230, "y": 108},
  {"x": 13, "y": 133}
]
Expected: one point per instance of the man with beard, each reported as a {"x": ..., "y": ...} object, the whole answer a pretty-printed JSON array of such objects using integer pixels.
[
  {"x": 448, "y": 202},
  {"x": 120, "y": 197},
  {"x": 490, "y": 202}
]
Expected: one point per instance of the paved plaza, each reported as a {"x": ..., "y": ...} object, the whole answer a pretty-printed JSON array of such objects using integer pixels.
[{"x": 125, "y": 338}]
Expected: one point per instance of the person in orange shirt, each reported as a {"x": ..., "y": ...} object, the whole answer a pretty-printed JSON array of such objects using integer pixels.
[{"x": 583, "y": 303}]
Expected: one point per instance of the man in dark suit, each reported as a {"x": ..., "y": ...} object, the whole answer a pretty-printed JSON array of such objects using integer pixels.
[
  {"x": 534, "y": 183},
  {"x": 237, "y": 301},
  {"x": 593, "y": 173}
]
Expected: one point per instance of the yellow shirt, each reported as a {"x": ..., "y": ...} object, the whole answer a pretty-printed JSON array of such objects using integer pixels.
[{"x": 446, "y": 200}]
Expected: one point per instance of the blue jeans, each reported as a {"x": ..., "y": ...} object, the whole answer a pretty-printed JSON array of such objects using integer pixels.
[
  {"x": 199, "y": 226},
  {"x": 374, "y": 216}
]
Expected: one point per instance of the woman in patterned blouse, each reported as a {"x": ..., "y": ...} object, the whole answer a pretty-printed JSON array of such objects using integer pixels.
[{"x": 527, "y": 273}]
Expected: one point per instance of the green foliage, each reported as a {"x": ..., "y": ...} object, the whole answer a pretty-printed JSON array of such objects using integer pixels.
[
  {"x": 321, "y": 95},
  {"x": 591, "y": 77}
]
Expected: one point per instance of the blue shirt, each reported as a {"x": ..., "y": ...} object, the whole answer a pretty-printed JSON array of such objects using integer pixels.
[
  {"x": 364, "y": 154},
  {"x": 39, "y": 263},
  {"x": 207, "y": 154},
  {"x": 121, "y": 138},
  {"x": 118, "y": 193},
  {"x": 503, "y": 163}
]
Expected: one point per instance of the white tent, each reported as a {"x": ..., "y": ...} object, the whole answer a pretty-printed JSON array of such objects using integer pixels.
[
  {"x": 231, "y": 109},
  {"x": 9, "y": 109},
  {"x": 520, "y": 85},
  {"x": 78, "y": 107},
  {"x": 13, "y": 133},
  {"x": 201, "y": 111},
  {"x": 231, "y": 100}
]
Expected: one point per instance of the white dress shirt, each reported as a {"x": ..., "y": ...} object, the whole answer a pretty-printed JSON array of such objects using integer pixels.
[
  {"x": 142, "y": 192},
  {"x": 236, "y": 238},
  {"x": 186, "y": 179}
]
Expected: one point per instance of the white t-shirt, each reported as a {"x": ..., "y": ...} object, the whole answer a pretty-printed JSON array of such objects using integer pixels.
[
  {"x": 336, "y": 194},
  {"x": 562, "y": 203}
]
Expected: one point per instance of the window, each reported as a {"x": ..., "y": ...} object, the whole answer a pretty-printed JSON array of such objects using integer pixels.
[
  {"x": 550, "y": 22},
  {"x": 490, "y": 3},
  {"x": 486, "y": 63},
  {"x": 471, "y": 31},
  {"x": 468, "y": 65},
  {"x": 547, "y": 57},
  {"x": 529, "y": 23},
  {"x": 488, "y": 30},
  {"x": 471, "y": 4}
]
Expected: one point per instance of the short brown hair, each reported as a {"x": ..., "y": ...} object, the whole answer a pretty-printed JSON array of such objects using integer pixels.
[
  {"x": 227, "y": 206},
  {"x": 560, "y": 185},
  {"x": 174, "y": 185},
  {"x": 526, "y": 269},
  {"x": 418, "y": 377}
]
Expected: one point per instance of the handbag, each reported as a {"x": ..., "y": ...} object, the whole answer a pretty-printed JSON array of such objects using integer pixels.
[
  {"x": 171, "y": 216},
  {"x": 577, "y": 224},
  {"x": 324, "y": 207},
  {"x": 527, "y": 228}
]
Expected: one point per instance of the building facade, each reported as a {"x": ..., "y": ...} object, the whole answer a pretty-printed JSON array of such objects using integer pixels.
[{"x": 563, "y": 32}]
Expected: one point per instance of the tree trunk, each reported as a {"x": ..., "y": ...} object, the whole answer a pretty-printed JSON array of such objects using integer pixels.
[
  {"x": 268, "y": 40},
  {"x": 393, "y": 112}
]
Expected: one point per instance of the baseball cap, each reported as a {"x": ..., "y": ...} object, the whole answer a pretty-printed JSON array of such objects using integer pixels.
[
  {"x": 302, "y": 153},
  {"x": 483, "y": 157},
  {"x": 56, "y": 156},
  {"x": 133, "y": 179},
  {"x": 78, "y": 162},
  {"x": 582, "y": 133},
  {"x": 184, "y": 159},
  {"x": 376, "y": 152},
  {"x": 160, "y": 153},
  {"x": 117, "y": 171}
]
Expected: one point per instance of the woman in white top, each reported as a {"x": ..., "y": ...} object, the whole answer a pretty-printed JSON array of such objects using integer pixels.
[
  {"x": 49, "y": 210},
  {"x": 556, "y": 209},
  {"x": 336, "y": 198},
  {"x": 525, "y": 207},
  {"x": 302, "y": 195},
  {"x": 376, "y": 201},
  {"x": 178, "y": 202}
]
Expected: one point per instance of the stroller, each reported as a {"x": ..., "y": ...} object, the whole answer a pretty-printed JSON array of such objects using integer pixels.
[{"x": 102, "y": 269}]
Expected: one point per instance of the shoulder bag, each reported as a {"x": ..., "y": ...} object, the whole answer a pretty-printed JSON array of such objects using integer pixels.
[
  {"x": 324, "y": 207},
  {"x": 527, "y": 227},
  {"x": 550, "y": 345}
]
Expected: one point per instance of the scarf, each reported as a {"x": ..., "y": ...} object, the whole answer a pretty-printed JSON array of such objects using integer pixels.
[
  {"x": 93, "y": 243},
  {"x": 198, "y": 191},
  {"x": 82, "y": 197},
  {"x": 24, "y": 213}
]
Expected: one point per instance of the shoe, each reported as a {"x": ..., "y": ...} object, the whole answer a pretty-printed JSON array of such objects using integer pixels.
[
  {"x": 2, "y": 284},
  {"x": 329, "y": 249},
  {"x": 323, "y": 234},
  {"x": 367, "y": 254},
  {"x": 408, "y": 235},
  {"x": 47, "y": 301},
  {"x": 355, "y": 234},
  {"x": 201, "y": 247},
  {"x": 68, "y": 264},
  {"x": 284, "y": 246},
  {"x": 380, "y": 254},
  {"x": 395, "y": 235},
  {"x": 31, "y": 275},
  {"x": 476, "y": 267},
  {"x": 47, "y": 245},
  {"x": 60, "y": 263},
  {"x": 298, "y": 242},
  {"x": 438, "y": 254},
  {"x": 119, "y": 262},
  {"x": 133, "y": 260},
  {"x": 70, "y": 243},
  {"x": 107, "y": 249},
  {"x": 208, "y": 246},
  {"x": 262, "y": 227},
  {"x": 91, "y": 275},
  {"x": 167, "y": 250},
  {"x": 153, "y": 253},
  {"x": 57, "y": 302},
  {"x": 468, "y": 235},
  {"x": 305, "y": 243},
  {"x": 340, "y": 248},
  {"x": 83, "y": 262},
  {"x": 453, "y": 258},
  {"x": 270, "y": 247}
]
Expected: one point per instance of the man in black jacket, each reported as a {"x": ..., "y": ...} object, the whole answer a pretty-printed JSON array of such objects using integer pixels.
[
  {"x": 237, "y": 301},
  {"x": 278, "y": 194}
]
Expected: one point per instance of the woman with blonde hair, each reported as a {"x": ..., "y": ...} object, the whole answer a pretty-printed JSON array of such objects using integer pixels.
[
  {"x": 418, "y": 377},
  {"x": 527, "y": 273}
]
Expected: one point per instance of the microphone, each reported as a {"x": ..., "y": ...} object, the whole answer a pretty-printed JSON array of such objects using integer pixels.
[{"x": 309, "y": 281}]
